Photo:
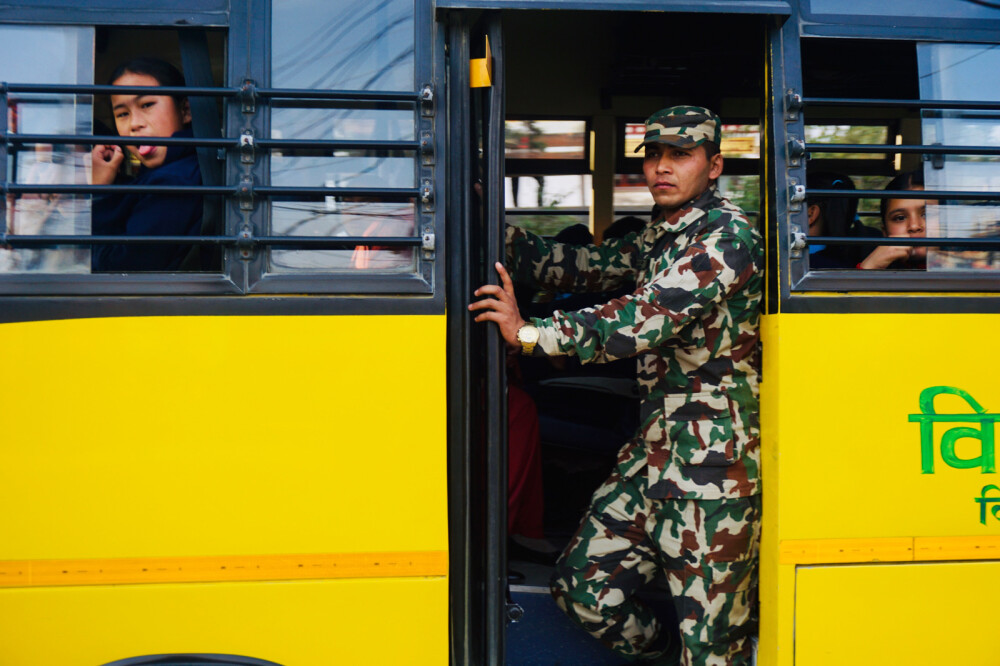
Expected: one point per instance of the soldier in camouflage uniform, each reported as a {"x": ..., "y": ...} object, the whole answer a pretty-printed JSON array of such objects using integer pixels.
[{"x": 683, "y": 498}]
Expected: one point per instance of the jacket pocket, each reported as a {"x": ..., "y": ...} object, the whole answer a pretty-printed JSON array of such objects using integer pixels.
[{"x": 699, "y": 429}]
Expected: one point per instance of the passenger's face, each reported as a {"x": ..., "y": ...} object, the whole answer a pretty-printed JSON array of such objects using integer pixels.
[
  {"x": 908, "y": 217},
  {"x": 677, "y": 175},
  {"x": 147, "y": 115}
]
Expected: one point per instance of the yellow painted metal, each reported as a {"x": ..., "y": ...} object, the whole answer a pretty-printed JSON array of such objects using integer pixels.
[
  {"x": 812, "y": 551},
  {"x": 301, "y": 623},
  {"x": 481, "y": 69},
  {"x": 850, "y": 457},
  {"x": 914, "y": 614},
  {"x": 44, "y": 573},
  {"x": 842, "y": 462},
  {"x": 983, "y": 547},
  {"x": 891, "y": 549},
  {"x": 226, "y": 439},
  {"x": 202, "y": 436},
  {"x": 777, "y": 582}
]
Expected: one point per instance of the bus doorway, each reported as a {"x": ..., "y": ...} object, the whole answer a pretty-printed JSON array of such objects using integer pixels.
[{"x": 574, "y": 88}]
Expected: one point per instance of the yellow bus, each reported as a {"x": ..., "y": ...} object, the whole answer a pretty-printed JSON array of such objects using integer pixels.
[{"x": 292, "y": 449}]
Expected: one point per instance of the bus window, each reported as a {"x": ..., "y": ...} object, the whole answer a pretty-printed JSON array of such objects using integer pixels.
[
  {"x": 851, "y": 113},
  {"x": 961, "y": 72},
  {"x": 373, "y": 50},
  {"x": 66, "y": 59},
  {"x": 80, "y": 56}
]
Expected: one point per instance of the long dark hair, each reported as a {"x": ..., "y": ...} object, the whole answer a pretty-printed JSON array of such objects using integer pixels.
[{"x": 904, "y": 181}]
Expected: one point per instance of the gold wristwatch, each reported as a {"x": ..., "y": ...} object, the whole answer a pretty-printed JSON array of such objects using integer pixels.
[{"x": 527, "y": 335}]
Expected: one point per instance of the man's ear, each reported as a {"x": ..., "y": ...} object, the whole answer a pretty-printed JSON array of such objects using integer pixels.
[
  {"x": 185, "y": 111},
  {"x": 715, "y": 166}
]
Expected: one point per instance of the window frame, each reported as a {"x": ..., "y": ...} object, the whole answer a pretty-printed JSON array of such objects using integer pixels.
[
  {"x": 851, "y": 290},
  {"x": 239, "y": 276}
]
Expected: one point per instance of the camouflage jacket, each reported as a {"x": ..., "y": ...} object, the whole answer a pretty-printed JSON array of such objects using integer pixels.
[{"x": 692, "y": 323}]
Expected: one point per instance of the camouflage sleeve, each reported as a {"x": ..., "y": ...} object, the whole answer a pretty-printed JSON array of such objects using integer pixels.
[
  {"x": 555, "y": 266},
  {"x": 714, "y": 268}
]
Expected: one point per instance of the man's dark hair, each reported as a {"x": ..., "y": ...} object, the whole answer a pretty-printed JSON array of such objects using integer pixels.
[{"x": 711, "y": 149}]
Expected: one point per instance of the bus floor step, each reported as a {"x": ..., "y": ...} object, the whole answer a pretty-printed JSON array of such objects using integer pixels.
[{"x": 545, "y": 636}]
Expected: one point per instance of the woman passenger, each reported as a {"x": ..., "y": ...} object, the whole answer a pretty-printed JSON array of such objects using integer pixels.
[
  {"x": 902, "y": 218},
  {"x": 138, "y": 214}
]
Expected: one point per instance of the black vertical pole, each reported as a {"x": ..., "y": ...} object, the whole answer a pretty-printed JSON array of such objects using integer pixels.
[{"x": 496, "y": 375}]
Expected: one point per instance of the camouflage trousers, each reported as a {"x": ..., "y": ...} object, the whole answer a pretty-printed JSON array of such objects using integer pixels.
[{"x": 707, "y": 550}]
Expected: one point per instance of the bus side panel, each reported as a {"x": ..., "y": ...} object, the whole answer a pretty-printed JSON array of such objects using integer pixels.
[
  {"x": 848, "y": 477},
  {"x": 851, "y": 457},
  {"x": 301, "y": 623},
  {"x": 777, "y": 583},
  {"x": 179, "y": 450},
  {"x": 196, "y": 436},
  {"x": 939, "y": 614}
]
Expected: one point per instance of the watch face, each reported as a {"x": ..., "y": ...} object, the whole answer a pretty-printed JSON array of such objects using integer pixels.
[{"x": 528, "y": 334}]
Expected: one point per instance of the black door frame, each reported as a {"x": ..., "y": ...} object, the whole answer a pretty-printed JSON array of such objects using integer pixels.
[{"x": 477, "y": 362}]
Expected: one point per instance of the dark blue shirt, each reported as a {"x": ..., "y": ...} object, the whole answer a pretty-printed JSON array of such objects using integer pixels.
[{"x": 150, "y": 215}]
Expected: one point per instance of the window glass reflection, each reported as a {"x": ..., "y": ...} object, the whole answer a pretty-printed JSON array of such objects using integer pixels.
[
  {"x": 338, "y": 217},
  {"x": 961, "y": 72},
  {"x": 66, "y": 59},
  {"x": 342, "y": 44},
  {"x": 927, "y": 9}
]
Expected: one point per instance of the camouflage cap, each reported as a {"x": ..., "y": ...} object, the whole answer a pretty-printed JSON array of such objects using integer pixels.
[{"x": 683, "y": 127}]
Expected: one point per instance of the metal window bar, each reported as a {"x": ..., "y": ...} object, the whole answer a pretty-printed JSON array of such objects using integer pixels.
[
  {"x": 879, "y": 148},
  {"x": 799, "y": 149},
  {"x": 309, "y": 242},
  {"x": 271, "y": 93},
  {"x": 274, "y": 192},
  {"x": 992, "y": 243},
  {"x": 958, "y": 195},
  {"x": 586, "y": 211},
  {"x": 961, "y": 105},
  {"x": 226, "y": 142},
  {"x": 380, "y": 193},
  {"x": 875, "y": 241}
]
